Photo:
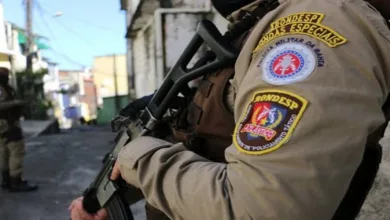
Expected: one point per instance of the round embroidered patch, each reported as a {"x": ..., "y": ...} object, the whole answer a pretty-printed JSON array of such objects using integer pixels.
[{"x": 288, "y": 63}]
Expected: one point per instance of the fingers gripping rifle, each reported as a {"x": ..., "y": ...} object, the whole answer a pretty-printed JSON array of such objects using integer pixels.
[{"x": 104, "y": 192}]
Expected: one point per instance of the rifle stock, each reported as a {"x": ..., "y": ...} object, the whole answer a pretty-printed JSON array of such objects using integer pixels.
[{"x": 103, "y": 192}]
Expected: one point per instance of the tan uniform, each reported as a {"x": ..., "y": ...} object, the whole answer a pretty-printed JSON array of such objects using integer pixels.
[
  {"x": 310, "y": 83},
  {"x": 12, "y": 147}
]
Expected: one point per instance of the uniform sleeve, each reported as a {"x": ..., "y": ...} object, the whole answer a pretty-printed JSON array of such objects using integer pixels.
[
  {"x": 5, "y": 103},
  {"x": 3, "y": 94},
  {"x": 310, "y": 84}
]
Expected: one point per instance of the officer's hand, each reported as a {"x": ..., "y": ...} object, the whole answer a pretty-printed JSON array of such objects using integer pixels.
[
  {"x": 118, "y": 122},
  {"x": 116, "y": 172},
  {"x": 128, "y": 175},
  {"x": 133, "y": 109},
  {"x": 129, "y": 113},
  {"x": 77, "y": 212}
]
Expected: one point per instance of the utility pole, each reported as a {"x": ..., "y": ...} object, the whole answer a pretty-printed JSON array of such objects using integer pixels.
[
  {"x": 11, "y": 59},
  {"x": 117, "y": 103},
  {"x": 29, "y": 54},
  {"x": 13, "y": 73},
  {"x": 29, "y": 33}
]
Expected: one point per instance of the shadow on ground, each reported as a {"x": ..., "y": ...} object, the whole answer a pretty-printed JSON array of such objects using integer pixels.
[{"x": 63, "y": 166}]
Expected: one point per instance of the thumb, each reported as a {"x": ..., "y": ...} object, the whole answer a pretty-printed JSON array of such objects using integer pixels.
[
  {"x": 102, "y": 214},
  {"x": 115, "y": 172}
]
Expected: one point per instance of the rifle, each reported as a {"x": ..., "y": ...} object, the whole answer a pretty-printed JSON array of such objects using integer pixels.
[{"x": 103, "y": 192}]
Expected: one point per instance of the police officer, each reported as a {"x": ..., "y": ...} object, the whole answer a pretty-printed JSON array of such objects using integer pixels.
[
  {"x": 11, "y": 139},
  {"x": 310, "y": 106}
]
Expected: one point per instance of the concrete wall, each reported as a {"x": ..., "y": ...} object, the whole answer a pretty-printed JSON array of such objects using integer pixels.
[
  {"x": 140, "y": 62},
  {"x": 89, "y": 97},
  {"x": 178, "y": 31},
  {"x": 103, "y": 74},
  {"x": 132, "y": 5},
  {"x": 148, "y": 67},
  {"x": 190, "y": 3},
  {"x": 130, "y": 8},
  {"x": 150, "y": 62},
  {"x": 5, "y": 46}
]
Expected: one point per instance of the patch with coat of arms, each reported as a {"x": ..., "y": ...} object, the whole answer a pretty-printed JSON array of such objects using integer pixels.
[
  {"x": 268, "y": 121},
  {"x": 288, "y": 63}
]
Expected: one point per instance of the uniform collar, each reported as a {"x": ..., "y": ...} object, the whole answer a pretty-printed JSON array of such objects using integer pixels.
[{"x": 236, "y": 15}]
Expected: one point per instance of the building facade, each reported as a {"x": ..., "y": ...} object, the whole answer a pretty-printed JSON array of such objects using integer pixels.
[
  {"x": 12, "y": 54},
  {"x": 158, "y": 32},
  {"x": 111, "y": 80},
  {"x": 77, "y": 96},
  {"x": 110, "y": 75}
]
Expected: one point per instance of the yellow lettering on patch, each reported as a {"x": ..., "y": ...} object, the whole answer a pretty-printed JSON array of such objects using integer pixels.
[
  {"x": 268, "y": 121},
  {"x": 278, "y": 99},
  {"x": 306, "y": 23}
]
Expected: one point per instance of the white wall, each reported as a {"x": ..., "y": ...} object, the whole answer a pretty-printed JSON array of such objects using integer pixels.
[
  {"x": 133, "y": 4},
  {"x": 178, "y": 30},
  {"x": 21, "y": 61},
  {"x": 51, "y": 80},
  {"x": 191, "y": 3},
  {"x": 4, "y": 43},
  {"x": 4, "y": 46},
  {"x": 139, "y": 57},
  {"x": 220, "y": 22}
]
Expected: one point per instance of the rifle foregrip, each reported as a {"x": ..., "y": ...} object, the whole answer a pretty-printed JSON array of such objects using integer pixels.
[{"x": 91, "y": 202}]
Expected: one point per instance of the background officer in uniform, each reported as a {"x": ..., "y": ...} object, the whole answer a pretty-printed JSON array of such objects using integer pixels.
[
  {"x": 11, "y": 138},
  {"x": 310, "y": 84}
]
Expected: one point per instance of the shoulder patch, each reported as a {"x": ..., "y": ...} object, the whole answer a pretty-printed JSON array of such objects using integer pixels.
[
  {"x": 305, "y": 23},
  {"x": 308, "y": 43},
  {"x": 288, "y": 63},
  {"x": 268, "y": 121}
]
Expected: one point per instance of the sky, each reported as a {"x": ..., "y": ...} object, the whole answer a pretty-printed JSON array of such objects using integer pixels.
[{"x": 87, "y": 28}]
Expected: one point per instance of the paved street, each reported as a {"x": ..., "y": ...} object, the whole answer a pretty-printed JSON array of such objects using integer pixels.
[{"x": 64, "y": 165}]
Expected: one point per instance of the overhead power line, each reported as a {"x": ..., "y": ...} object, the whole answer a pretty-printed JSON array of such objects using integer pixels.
[
  {"x": 43, "y": 10},
  {"x": 71, "y": 17},
  {"x": 67, "y": 58},
  {"x": 38, "y": 7},
  {"x": 58, "y": 54},
  {"x": 92, "y": 24}
]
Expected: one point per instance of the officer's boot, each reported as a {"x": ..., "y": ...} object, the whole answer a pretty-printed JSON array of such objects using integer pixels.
[
  {"x": 17, "y": 184},
  {"x": 6, "y": 180}
]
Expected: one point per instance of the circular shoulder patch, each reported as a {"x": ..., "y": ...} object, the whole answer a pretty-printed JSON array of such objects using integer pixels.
[{"x": 288, "y": 63}]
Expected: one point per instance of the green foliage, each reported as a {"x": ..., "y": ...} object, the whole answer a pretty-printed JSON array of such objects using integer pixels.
[{"x": 30, "y": 88}]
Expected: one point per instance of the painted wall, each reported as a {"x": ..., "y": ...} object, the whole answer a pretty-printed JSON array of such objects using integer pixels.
[
  {"x": 144, "y": 58},
  {"x": 104, "y": 78},
  {"x": 177, "y": 31}
]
